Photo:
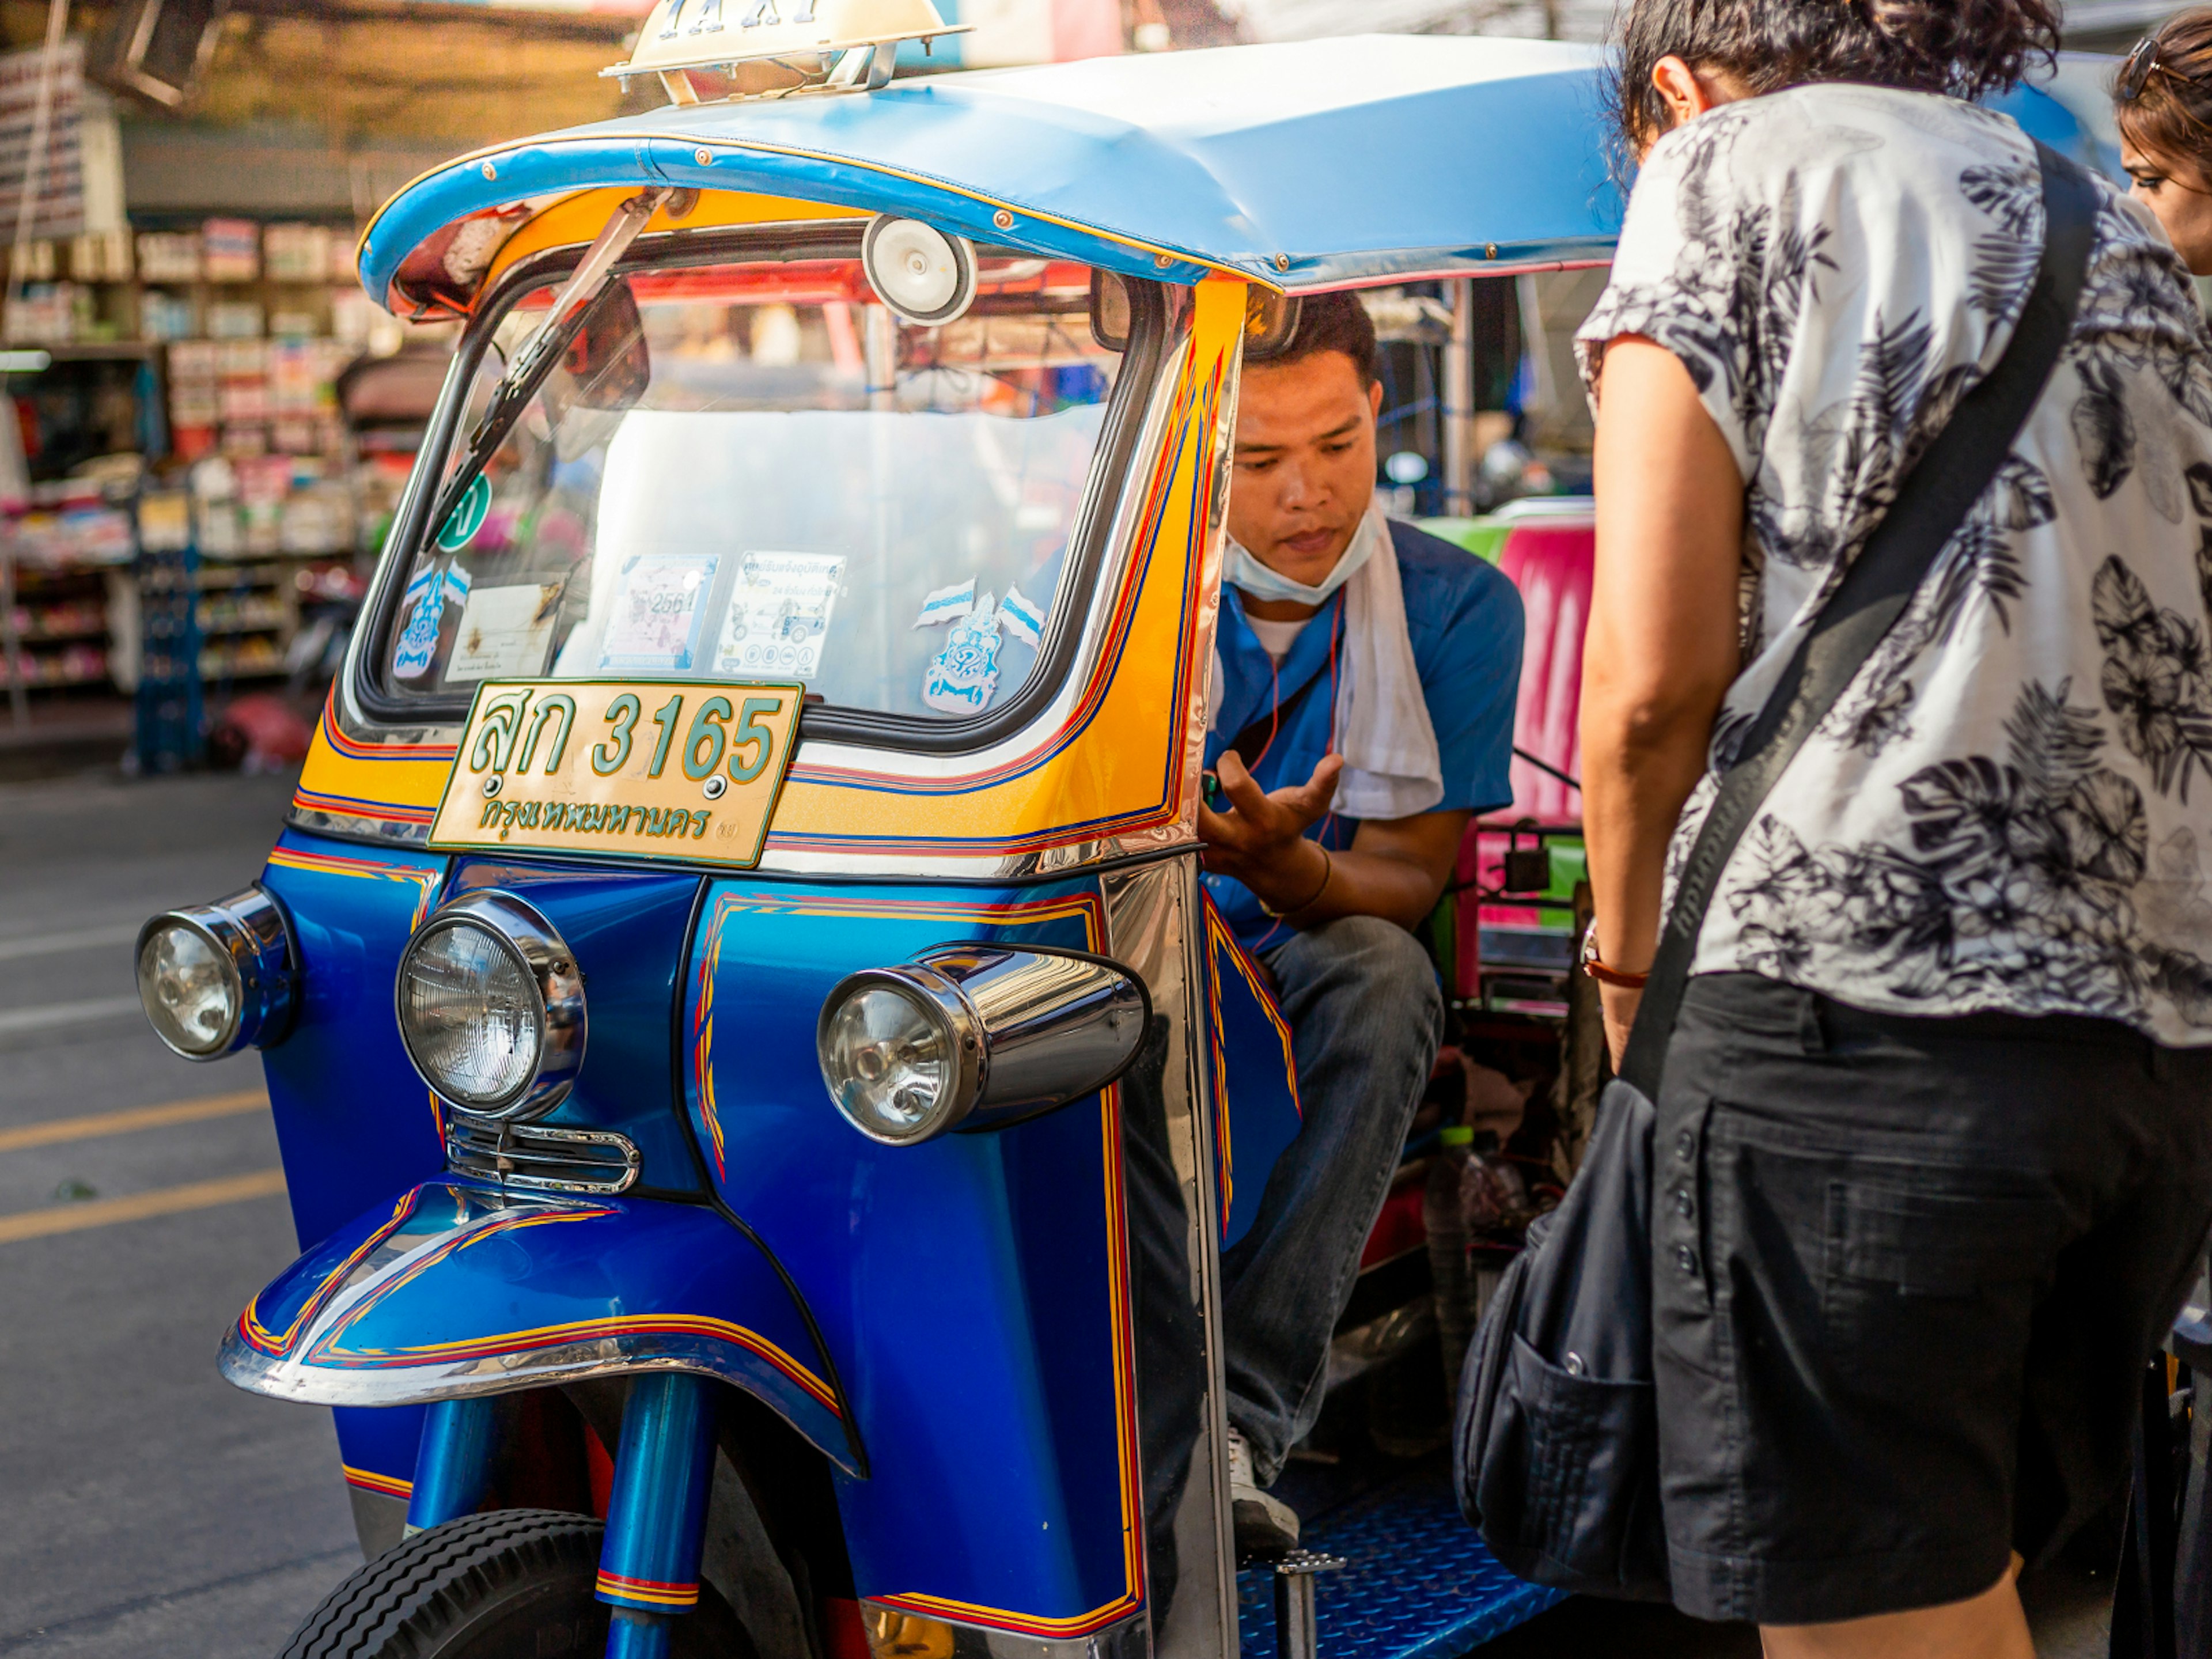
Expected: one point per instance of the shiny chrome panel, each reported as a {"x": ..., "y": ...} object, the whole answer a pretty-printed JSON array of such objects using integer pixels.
[
  {"x": 538, "y": 1157},
  {"x": 249, "y": 931},
  {"x": 1151, "y": 915},
  {"x": 895, "y": 1633},
  {"x": 517, "y": 928},
  {"x": 1056, "y": 1025}
]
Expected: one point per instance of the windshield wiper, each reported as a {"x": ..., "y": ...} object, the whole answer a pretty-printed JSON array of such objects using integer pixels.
[{"x": 542, "y": 350}]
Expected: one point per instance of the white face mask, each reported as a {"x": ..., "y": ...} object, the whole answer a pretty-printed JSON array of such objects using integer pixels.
[{"x": 1244, "y": 571}]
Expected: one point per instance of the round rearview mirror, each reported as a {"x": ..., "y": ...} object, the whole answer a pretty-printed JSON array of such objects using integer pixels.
[{"x": 924, "y": 276}]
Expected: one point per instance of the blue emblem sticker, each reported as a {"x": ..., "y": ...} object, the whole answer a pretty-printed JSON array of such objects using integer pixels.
[
  {"x": 961, "y": 677},
  {"x": 428, "y": 591}
]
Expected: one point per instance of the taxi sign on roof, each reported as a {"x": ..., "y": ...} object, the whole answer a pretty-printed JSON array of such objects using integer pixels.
[{"x": 689, "y": 34}]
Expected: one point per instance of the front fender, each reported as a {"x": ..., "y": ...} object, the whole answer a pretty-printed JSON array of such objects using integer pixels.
[{"x": 455, "y": 1289}]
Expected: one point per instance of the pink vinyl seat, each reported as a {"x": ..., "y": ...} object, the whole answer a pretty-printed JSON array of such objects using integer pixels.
[{"x": 1552, "y": 559}]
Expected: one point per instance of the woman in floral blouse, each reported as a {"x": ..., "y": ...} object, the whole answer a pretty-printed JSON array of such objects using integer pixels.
[{"x": 1934, "y": 1146}]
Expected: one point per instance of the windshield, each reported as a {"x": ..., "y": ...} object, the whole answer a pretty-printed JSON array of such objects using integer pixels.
[{"x": 757, "y": 472}]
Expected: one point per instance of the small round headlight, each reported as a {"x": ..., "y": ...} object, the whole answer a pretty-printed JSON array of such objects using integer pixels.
[
  {"x": 190, "y": 987},
  {"x": 976, "y": 1036},
  {"x": 491, "y": 1008},
  {"x": 216, "y": 978},
  {"x": 896, "y": 1054}
]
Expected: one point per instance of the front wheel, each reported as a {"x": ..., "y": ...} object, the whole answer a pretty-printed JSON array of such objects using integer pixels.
[{"x": 508, "y": 1584}]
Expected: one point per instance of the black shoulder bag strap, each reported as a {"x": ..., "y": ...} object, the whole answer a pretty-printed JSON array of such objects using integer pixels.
[{"x": 1930, "y": 505}]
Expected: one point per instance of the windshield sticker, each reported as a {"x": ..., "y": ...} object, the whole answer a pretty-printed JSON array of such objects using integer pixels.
[
  {"x": 961, "y": 677},
  {"x": 424, "y": 603},
  {"x": 779, "y": 613},
  {"x": 946, "y": 605},
  {"x": 505, "y": 631},
  {"x": 1019, "y": 616},
  {"x": 468, "y": 515},
  {"x": 655, "y": 628}
]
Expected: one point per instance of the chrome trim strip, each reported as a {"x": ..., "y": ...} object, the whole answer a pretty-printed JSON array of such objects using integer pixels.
[
  {"x": 892, "y": 1632},
  {"x": 514, "y": 1150},
  {"x": 1152, "y": 924},
  {"x": 345, "y": 826},
  {"x": 257, "y": 1372}
]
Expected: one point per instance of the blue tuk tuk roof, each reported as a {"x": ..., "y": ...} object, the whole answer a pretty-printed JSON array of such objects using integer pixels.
[{"x": 1304, "y": 165}]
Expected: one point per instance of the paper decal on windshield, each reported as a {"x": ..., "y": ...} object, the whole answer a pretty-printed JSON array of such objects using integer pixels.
[
  {"x": 505, "y": 631},
  {"x": 428, "y": 591},
  {"x": 946, "y": 605},
  {"x": 961, "y": 677},
  {"x": 779, "y": 613},
  {"x": 658, "y": 611},
  {"x": 1020, "y": 618}
]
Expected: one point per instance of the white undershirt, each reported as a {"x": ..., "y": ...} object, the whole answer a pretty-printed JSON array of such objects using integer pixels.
[{"x": 1276, "y": 638}]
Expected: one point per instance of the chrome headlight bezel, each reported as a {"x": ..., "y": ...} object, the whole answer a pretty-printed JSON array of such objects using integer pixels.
[
  {"x": 940, "y": 1001},
  {"x": 519, "y": 931},
  {"x": 251, "y": 938},
  {"x": 1029, "y": 1029}
]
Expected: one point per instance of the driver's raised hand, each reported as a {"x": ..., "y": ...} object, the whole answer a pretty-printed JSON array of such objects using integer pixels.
[{"x": 1260, "y": 840}]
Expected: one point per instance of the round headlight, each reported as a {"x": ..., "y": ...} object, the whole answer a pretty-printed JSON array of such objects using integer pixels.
[
  {"x": 190, "y": 987},
  {"x": 976, "y": 1036},
  {"x": 491, "y": 1008},
  {"x": 216, "y": 978},
  {"x": 900, "y": 1063}
]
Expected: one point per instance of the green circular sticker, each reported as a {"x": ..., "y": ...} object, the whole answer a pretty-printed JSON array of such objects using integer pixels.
[{"x": 468, "y": 515}]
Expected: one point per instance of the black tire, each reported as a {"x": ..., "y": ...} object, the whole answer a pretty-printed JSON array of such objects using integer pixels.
[{"x": 508, "y": 1584}]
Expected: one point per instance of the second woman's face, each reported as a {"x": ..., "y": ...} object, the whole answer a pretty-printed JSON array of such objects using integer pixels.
[{"x": 2179, "y": 196}]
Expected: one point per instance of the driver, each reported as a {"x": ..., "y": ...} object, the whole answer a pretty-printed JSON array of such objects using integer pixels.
[{"x": 1362, "y": 711}]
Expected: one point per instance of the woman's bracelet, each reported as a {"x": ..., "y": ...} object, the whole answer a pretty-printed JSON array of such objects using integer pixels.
[
  {"x": 1327, "y": 869},
  {"x": 1619, "y": 980}
]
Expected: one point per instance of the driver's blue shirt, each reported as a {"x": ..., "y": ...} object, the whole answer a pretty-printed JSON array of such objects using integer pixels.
[{"x": 1464, "y": 619}]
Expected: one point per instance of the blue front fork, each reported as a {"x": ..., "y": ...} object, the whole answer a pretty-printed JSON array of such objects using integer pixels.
[
  {"x": 649, "y": 1562},
  {"x": 649, "y": 1565}
]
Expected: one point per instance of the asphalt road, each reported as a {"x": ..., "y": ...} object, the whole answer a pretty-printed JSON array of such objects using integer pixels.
[{"x": 148, "y": 1511}]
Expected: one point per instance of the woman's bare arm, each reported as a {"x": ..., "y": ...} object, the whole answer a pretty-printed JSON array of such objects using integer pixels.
[{"x": 1662, "y": 645}]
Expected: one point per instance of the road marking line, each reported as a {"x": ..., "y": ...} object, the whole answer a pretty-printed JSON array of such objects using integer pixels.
[
  {"x": 96, "y": 1124},
  {"x": 66, "y": 1013},
  {"x": 78, "y": 939},
  {"x": 166, "y": 1200}
]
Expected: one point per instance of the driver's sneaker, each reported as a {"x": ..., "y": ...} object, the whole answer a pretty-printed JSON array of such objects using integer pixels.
[{"x": 1265, "y": 1526}]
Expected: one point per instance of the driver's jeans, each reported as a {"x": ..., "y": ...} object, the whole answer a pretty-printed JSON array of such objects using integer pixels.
[{"x": 1366, "y": 1015}]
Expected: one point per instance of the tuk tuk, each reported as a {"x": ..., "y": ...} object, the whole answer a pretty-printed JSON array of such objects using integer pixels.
[{"x": 762, "y": 1092}]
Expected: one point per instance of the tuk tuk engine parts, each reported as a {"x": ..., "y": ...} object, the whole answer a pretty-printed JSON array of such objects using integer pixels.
[
  {"x": 490, "y": 1005},
  {"x": 976, "y": 1036},
  {"x": 216, "y": 978}
]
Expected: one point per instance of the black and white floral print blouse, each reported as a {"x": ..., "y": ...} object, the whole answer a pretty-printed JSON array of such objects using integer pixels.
[{"x": 2011, "y": 807}]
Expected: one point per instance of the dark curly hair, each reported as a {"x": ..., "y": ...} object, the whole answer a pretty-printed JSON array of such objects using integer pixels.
[
  {"x": 1962, "y": 47},
  {"x": 2171, "y": 118}
]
